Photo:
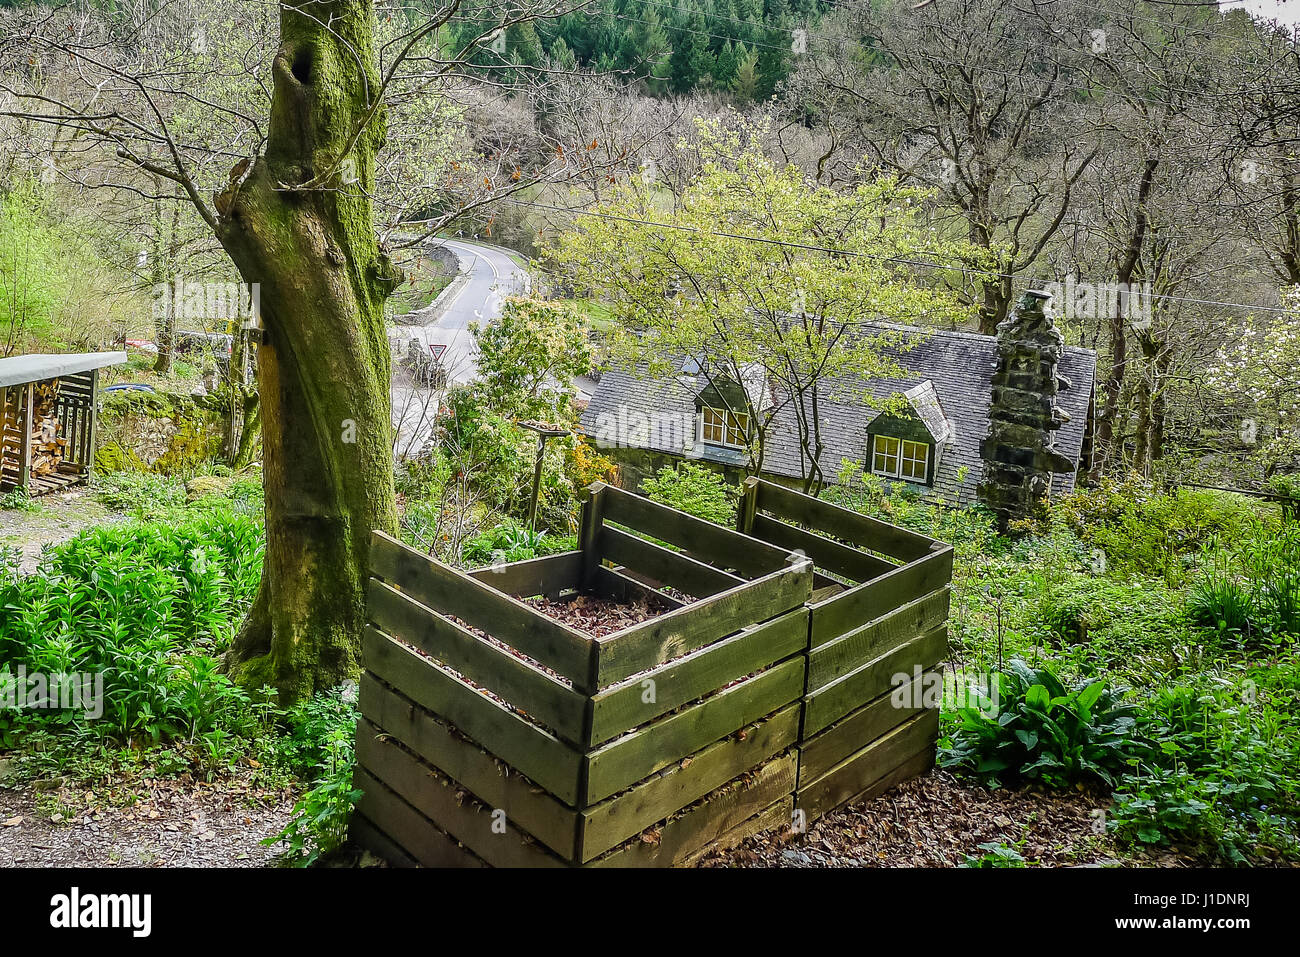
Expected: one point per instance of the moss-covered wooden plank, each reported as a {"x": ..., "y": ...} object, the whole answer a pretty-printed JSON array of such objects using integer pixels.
[
  {"x": 739, "y": 809},
  {"x": 857, "y": 773},
  {"x": 667, "y": 567},
  {"x": 452, "y": 592},
  {"x": 856, "y": 730},
  {"x": 871, "y": 600},
  {"x": 843, "y": 523},
  {"x": 642, "y": 698},
  {"x": 547, "y": 575},
  {"x": 486, "y": 831},
  {"x": 855, "y": 565},
  {"x": 487, "y": 777},
  {"x": 662, "y": 795},
  {"x": 635, "y": 756},
  {"x": 651, "y": 643},
  {"x": 704, "y": 540},
  {"x": 833, "y": 701},
  {"x": 536, "y": 752},
  {"x": 526, "y": 687},
  {"x": 419, "y": 837},
  {"x": 842, "y": 655}
]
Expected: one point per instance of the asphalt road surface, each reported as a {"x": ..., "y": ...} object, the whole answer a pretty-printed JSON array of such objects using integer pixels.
[
  {"x": 491, "y": 277},
  {"x": 488, "y": 276}
]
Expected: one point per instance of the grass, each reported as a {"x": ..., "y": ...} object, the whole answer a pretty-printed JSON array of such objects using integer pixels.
[{"x": 426, "y": 278}]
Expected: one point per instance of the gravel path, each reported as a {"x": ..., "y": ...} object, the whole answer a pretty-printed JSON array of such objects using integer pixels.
[
  {"x": 60, "y": 517},
  {"x": 172, "y": 825}
]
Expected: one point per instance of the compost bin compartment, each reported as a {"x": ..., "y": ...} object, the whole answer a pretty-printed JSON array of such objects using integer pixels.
[{"x": 636, "y": 701}]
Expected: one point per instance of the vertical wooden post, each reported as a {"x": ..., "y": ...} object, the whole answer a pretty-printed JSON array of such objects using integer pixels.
[
  {"x": 537, "y": 483},
  {"x": 93, "y": 413},
  {"x": 747, "y": 505},
  {"x": 589, "y": 532},
  {"x": 27, "y": 399}
]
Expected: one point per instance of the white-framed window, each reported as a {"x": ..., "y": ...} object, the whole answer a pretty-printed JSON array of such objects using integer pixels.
[
  {"x": 900, "y": 458},
  {"x": 720, "y": 427}
]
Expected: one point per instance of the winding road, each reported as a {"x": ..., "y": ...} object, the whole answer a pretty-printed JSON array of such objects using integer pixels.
[{"x": 488, "y": 275}]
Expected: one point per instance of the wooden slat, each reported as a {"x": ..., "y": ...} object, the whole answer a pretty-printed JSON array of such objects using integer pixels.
[
  {"x": 633, "y": 757},
  {"x": 517, "y": 741},
  {"x": 856, "y": 774},
  {"x": 451, "y": 592},
  {"x": 407, "y": 827},
  {"x": 524, "y": 686},
  {"x": 840, "y": 559},
  {"x": 490, "y": 834},
  {"x": 704, "y": 540},
  {"x": 491, "y": 781},
  {"x": 663, "y": 565},
  {"x": 369, "y": 838},
  {"x": 547, "y": 575},
  {"x": 838, "y": 657},
  {"x": 621, "y": 585},
  {"x": 835, "y": 700},
  {"x": 663, "y": 795},
  {"x": 722, "y": 819},
  {"x": 624, "y": 706},
  {"x": 778, "y": 815},
  {"x": 649, "y": 644},
  {"x": 843, "y": 523},
  {"x": 859, "y": 728},
  {"x": 866, "y": 602}
]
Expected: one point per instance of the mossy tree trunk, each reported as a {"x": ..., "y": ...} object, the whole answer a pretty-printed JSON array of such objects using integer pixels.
[{"x": 298, "y": 222}]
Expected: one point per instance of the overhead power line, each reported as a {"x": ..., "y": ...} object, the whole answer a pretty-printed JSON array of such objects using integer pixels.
[{"x": 894, "y": 260}]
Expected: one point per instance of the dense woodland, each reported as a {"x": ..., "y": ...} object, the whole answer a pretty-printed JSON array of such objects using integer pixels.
[{"x": 680, "y": 166}]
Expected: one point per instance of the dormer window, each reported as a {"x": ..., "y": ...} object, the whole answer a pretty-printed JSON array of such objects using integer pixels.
[
  {"x": 721, "y": 427},
  {"x": 900, "y": 458}
]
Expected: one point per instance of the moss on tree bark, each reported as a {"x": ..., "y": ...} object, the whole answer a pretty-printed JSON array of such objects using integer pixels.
[{"x": 298, "y": 221}]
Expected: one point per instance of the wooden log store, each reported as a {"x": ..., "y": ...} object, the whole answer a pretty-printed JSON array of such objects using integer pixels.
[{"x": 48, "y": 408}]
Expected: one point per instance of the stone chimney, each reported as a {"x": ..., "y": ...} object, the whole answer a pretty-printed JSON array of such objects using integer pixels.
[{"x": 1019, "y": 457}]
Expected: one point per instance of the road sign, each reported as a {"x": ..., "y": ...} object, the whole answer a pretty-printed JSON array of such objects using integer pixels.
[{"x": 437, "y": 348}]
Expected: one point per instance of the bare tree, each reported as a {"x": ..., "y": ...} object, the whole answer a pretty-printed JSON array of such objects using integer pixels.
[{"x": 972, "y": 98}]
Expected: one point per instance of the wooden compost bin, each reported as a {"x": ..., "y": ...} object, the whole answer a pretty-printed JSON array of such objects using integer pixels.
[
  {"x": 524, "y": 742},
  {"x": 883, "y": 614}
]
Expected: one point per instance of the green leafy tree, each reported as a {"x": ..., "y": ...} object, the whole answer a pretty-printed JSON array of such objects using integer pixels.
[
  {"x": 31, "y": 267},
  {"x": 528, "y": 357},
  {"x": 764, "y": 279},
  {"x": 694, "y": 489}
]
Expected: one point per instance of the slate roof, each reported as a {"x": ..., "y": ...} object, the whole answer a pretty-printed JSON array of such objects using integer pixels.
[{"x": 653, "y": 412}]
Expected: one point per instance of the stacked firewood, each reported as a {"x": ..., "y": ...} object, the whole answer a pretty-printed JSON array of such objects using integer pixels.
[{"x": 47, "y": 447}]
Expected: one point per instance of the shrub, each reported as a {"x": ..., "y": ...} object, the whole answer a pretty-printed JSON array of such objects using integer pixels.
[
  {"x": 513, "y": 542},
  {"x": 1146, "y": 530},
  {"x": 1041, "y": 730},
  {"x": 320, "y": 746},
  {"x": 1067, "y": 612},
  {"x": 1223, "y": 773},
  {"x": 147, "y": 606},
  {"x": 696, "y": 490},
  {"x": 140, "y": 493},
  {"x": 1251, "y": 593}
]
